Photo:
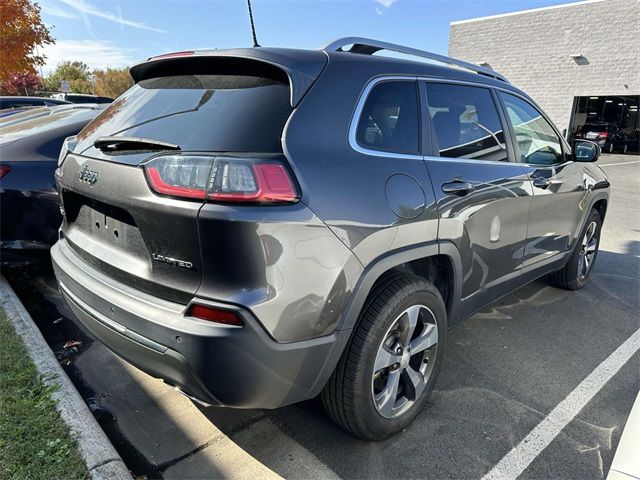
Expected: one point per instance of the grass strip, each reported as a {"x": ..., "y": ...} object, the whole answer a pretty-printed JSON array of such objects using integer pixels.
[{"x": 35, "y": 443}]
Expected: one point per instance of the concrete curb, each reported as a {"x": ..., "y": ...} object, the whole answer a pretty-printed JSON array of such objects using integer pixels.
[{"x": 101, "y": 459}]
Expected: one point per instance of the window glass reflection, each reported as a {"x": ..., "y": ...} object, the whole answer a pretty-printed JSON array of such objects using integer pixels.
[{"x": 466, "y": 122}]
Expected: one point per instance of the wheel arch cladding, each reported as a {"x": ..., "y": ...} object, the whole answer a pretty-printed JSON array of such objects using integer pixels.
[
  {"x": 601, "y": 207},
  {"x": 439, "y": 264}
]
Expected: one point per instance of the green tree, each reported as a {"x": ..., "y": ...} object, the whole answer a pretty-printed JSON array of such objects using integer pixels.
[
  {"x": 112, "y": 82},
  {"x": 76, "y": 73}
]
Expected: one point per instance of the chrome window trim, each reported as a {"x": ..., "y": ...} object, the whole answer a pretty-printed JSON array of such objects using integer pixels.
[
  {"x": 357, "y": 113},
  {"x": 470, "y": 160},
  {"x": 355, "y": 118}
]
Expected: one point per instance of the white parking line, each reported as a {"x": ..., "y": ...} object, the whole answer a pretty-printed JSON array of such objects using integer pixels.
[
  {"x": 622, "y": 163},
  {"x": 519, "y": 458}
]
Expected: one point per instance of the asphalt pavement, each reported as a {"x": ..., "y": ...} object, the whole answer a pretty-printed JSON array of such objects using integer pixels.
[{"x": 507, "y": 372}]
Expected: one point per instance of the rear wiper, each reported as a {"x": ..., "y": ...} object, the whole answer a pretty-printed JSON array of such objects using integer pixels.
[{"x": 113, "y": 144}]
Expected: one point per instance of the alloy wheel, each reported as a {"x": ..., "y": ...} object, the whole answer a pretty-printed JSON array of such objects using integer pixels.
[
  {"x": 402, "y": 366},
  {"x": 588, "y": 250}
]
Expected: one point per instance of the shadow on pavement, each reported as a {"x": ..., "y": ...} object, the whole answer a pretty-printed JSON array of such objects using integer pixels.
[
  {"x": 505, "y": 369},
  {"x": 140, "y": 423}
]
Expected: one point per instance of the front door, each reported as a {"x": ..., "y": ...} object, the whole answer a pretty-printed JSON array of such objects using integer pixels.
[
  {"x": 559, "y": 185},
  {"x": 483, "y": 195}
]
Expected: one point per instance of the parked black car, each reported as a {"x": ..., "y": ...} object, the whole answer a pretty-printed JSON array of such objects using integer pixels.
[
  {"x": 21, "y": 102},
  {"x": 261, "y": 226},
  {"x": 29, "y": 149},
  {"x": 607, "y": 135},
  {"x": 633, "y": 141}
]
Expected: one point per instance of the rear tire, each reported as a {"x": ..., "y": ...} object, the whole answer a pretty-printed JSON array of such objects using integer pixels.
[
  {"x": 575, "y": 273},
  {"x": 389, "y": 368}
]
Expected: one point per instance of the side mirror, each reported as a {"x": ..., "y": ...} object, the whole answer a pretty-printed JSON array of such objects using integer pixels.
[{"x": 585, "y": 151}]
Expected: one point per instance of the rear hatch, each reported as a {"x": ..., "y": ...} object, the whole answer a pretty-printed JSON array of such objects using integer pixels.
[{"x": 139, "y": 225}]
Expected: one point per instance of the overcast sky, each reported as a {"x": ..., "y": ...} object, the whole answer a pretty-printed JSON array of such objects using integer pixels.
[{"x": 113, "y": 33}]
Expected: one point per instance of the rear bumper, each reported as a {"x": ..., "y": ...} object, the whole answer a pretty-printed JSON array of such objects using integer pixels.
[{"x": 216, "y": 364}]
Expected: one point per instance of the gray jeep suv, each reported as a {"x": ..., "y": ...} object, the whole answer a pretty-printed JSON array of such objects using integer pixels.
[{"x": 261, "y": 226}]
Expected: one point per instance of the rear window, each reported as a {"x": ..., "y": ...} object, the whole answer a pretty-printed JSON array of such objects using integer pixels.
[
  {"x": 226, "y": 113},
  {"x": 594, "y": 127}
]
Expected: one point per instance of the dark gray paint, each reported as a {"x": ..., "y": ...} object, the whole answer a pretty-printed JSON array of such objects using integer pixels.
[{"x": 301, "y": 273}]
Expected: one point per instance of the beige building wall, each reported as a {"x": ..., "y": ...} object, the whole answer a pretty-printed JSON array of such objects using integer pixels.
[{"x": 533, "y": 50}]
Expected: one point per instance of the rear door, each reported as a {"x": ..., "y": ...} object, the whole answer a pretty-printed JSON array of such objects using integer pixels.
[
  {"x": 113, "y": 219},
  {"x": 559, "y": 184},
  {"x": 483, "y": 196}
]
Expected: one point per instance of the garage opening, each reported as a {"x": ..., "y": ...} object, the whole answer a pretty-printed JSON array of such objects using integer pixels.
[{"x": 611, "y": 121}]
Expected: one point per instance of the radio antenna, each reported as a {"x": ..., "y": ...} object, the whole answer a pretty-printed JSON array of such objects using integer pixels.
[{"x": 253, "y": 27}]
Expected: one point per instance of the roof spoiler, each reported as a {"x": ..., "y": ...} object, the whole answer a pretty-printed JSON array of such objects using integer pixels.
[{"x": 300, "y": 68}]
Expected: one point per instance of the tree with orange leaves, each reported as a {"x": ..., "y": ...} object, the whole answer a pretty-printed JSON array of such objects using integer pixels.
[{"x": 21, "y": 32}]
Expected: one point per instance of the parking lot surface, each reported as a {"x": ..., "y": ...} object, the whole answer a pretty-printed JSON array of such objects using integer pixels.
[{"x": 506, "y": 369}]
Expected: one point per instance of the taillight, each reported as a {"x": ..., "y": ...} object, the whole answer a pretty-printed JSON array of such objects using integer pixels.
[
  {"x": 67, "y": 146},
  {"x": 4, "y": 169},
  {"x": 179, "y": 175},
  {"x": 603, "y": 134},
  {"x": 213, "y": 314},
  {"x": 221, "y": 179},
  {"x": 234, "y": 180}
]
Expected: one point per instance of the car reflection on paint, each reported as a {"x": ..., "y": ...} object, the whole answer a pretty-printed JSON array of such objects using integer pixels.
[{"x": 30, "y": 143}]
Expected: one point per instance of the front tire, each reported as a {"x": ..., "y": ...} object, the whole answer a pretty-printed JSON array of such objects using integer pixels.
[
  {"x": 392, "y": 362},
  {"x": 575, "y": 273}
]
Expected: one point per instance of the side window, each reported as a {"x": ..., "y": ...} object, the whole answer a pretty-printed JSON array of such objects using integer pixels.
[
  {"x": 466, "y": 122},
  {"x": 537, "y": 140},
  {"x": 389, "y": 120}
]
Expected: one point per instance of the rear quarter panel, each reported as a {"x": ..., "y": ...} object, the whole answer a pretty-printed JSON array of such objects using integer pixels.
[
  {"x": 281, "y": 262},
  {"x": 346, "y": 188}
]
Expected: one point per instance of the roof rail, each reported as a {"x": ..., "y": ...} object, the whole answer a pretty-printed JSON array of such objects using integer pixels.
[{"x": 368, "y": 46}]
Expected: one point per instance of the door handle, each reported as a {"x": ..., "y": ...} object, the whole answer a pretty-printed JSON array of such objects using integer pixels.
[{"x": 457, "y": 187}]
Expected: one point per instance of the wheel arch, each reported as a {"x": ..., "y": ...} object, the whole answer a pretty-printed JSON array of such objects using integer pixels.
[
  {"x": 437, "y": 262},
  {"x": 601, "y": 206},
  {"x": 599, "y": 202}
]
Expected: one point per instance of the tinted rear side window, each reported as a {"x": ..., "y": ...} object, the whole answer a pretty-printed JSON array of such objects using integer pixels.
[
  {"x": 389, "y": 120},
  {"x": 228, "y": 113},
  {"x": 466, "y": 122}
]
